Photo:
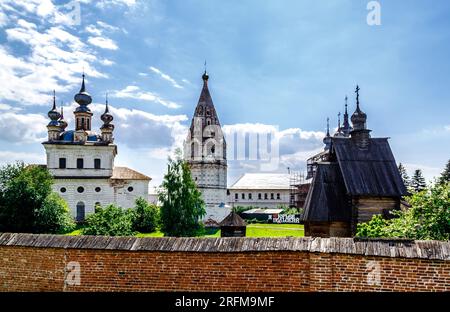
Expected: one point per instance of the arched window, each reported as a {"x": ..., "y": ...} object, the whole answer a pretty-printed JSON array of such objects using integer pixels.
[{"x": 80, "y": 212}]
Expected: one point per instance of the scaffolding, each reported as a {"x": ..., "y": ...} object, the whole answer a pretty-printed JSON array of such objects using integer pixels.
[{"x": 296, "y": 179}]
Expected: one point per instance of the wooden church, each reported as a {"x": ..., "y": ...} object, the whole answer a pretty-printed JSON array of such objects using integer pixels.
[{"x": 354, "y": 178}]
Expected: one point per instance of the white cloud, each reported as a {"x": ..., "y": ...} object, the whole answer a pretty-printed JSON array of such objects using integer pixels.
[
  {"x": 106, "y": 62},
  {"x": 134, "y": 92},
  {"x": 9, "y": 157},
  {"x": 102, "y": 42},
  {"x": 54, "y": 60},
  {"x": 166, "y": 77},
  {"x": 93, "y": 30},
  {"x": 428, "y": 172},
  {"x": 6, "y": 107},
  {"x": 3, "y": 19},
  {"x": 106, "y": 3},
  {"x": 22, "y": 128}
]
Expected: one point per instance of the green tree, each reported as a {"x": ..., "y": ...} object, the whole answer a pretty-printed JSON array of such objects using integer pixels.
[
  {"x": 428, "y": 217},
  {"x": 27, "y": 203},
  {"x": 111, "y": 221},
  {"x": 54, "y": 216},
  {"x": 404, "y": 175},
  {"x": 146, "y": 216},
  {"x": 418, "y": 181},
  {"x": 445, "y": 175},
  {"x": 182, "y": 204}
]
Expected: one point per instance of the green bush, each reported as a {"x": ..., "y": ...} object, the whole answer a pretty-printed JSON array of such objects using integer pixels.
[
  {"x": 428, "y": 217},
  {"x": 146, "y": 216},
  {"x": 27, "y": 203},
  {"x": 110, "y": 220},
  {"x": 54, "y": 216}
]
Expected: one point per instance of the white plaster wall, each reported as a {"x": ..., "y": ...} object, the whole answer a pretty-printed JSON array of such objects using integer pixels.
[
  {"x": 262, "y": 203},
  {"x": 112, "y": 192},
  {"x": 87, "y": 152}
]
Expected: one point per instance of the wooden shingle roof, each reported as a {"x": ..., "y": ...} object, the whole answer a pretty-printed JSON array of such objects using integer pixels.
[
  {"x": 326, "y": 200},
  {"x": 125, "y": 173},
  {"x": 233, "y": 219},
  {"x": 370, "y": 172}
]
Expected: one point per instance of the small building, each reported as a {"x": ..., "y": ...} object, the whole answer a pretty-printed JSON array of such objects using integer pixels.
[
  {"x": 355, "y": 178},
  {"x": 233, "y": 226},
  {"x": 262, "y": 214},
  {"x": 263, "y": 190}
]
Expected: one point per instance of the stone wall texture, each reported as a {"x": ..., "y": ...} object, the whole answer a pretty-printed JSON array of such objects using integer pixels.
[{"x": 45, "y": 263}]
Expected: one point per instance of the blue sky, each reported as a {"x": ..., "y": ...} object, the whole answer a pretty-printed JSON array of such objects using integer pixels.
[{"x": 287, "y": 64}]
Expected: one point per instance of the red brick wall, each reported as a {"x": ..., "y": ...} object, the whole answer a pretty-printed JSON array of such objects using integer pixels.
[{"x": 42, "y": 269}]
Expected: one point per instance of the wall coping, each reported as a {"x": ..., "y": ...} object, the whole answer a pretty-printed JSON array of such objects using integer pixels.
[{"x": 422, "y": 249}]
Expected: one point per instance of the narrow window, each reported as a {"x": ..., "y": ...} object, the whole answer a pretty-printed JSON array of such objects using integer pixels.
[
  {"x": 236, "y": 196},
  {"x": 88, "y": 126},
  {"x": 259, "y": 196},
  {"x": 97, "y": 163},
  {"x": 243, "y": 196},
  {"x": 271, "y": 196},
  {"x": 278, "y": 196},
  {"x": 80, "y": 212},
  {"x": 62, "y": 163},
  {"x": 249, "y": 195},
  {"x": 80, "y": 163},
  {"x": 265, "y": 196}
]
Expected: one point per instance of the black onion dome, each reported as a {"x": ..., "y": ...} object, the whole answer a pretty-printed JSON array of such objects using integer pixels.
[
  {"x": 107, "y": 118},
  {"x": 205, "y": 76},
  {"x": 358, "y": 118},
  {"x": 62, "y": 122},
  {"x": 53, "y": 114},
  {"x": 83, "y": 98}
]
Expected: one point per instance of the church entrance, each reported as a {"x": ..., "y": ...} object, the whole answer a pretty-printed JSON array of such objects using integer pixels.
[{"x": 80, "y": 212}]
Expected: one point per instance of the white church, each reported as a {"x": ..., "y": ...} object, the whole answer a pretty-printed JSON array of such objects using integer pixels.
[{"x": 82, "y": 162}]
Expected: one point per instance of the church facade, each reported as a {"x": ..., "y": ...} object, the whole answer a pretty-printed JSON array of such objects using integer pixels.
[
  {"x": 82, "y": 161},
  {"x": 205, "y": 151}
]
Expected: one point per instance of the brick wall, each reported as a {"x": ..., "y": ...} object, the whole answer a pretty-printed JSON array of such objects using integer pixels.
[{"x": 38, "y": 262}]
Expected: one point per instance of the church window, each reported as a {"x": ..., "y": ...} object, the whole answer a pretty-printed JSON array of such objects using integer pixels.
[
  {"x": 236, "y": 196},
  {"x": 80, "y": 212},
  {"x": 82, "y": 123},
  {"x": 213, "y": 149},
  {"x": 130, "y": 189},
  {"x": 259, "y": 196},
  {"x": 97, "y": 163},
  {"x": 243, "y": 196},
  {"x": 271, "y": 196},
  {"x": 63, "y": 190},
  {"x": 80, "y": 189},
  {"x": 278, "y": 196},
  {"x": 87, "y": 124},
  {"x": 80, "y": 163},
  {"x": 265, "y": 196},
  {"x": 98, "y": 189},
  {"x": 208, "y": 113},
  {"x": 249, "y": 195},
  {"x": 62, "y": 163}
]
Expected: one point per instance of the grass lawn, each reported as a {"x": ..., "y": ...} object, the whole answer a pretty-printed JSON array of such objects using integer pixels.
[{"x": 253, "y": 230}]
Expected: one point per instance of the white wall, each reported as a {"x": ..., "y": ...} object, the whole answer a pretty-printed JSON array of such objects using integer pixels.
[{"x": 262, "y": 203}]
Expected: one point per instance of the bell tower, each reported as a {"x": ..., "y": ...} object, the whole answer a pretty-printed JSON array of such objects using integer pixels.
[{"x": 205, "y": 150}]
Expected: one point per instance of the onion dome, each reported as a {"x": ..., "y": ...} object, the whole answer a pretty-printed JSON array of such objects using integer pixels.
[
  {"x": 106, "y": 117},
  {"x": 339, "y": 132},
  {"x": 53, "y": 114},
  {"x": 83, "y": 98},
  {"x": 359, "y": 118},
  {"x": 205, "y": 76},
  {"x": 62, "y": 122}
]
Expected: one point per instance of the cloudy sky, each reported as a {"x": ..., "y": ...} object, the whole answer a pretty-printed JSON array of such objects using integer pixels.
[{"x": 279, "y": 65}]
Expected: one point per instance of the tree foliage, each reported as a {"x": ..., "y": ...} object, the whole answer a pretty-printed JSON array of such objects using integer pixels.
[
  {"x": 417, "y": 182},
  {"x": 146, "y": 216},
  {"x": 27, "y": 203},
  {"x": 404, "y": 175},
  {"x": 110, "y": 220},
  {"x": 445, "y": 175},
  {"x": 182, "y": 204},
  {"x": 428, "y": 217}
]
